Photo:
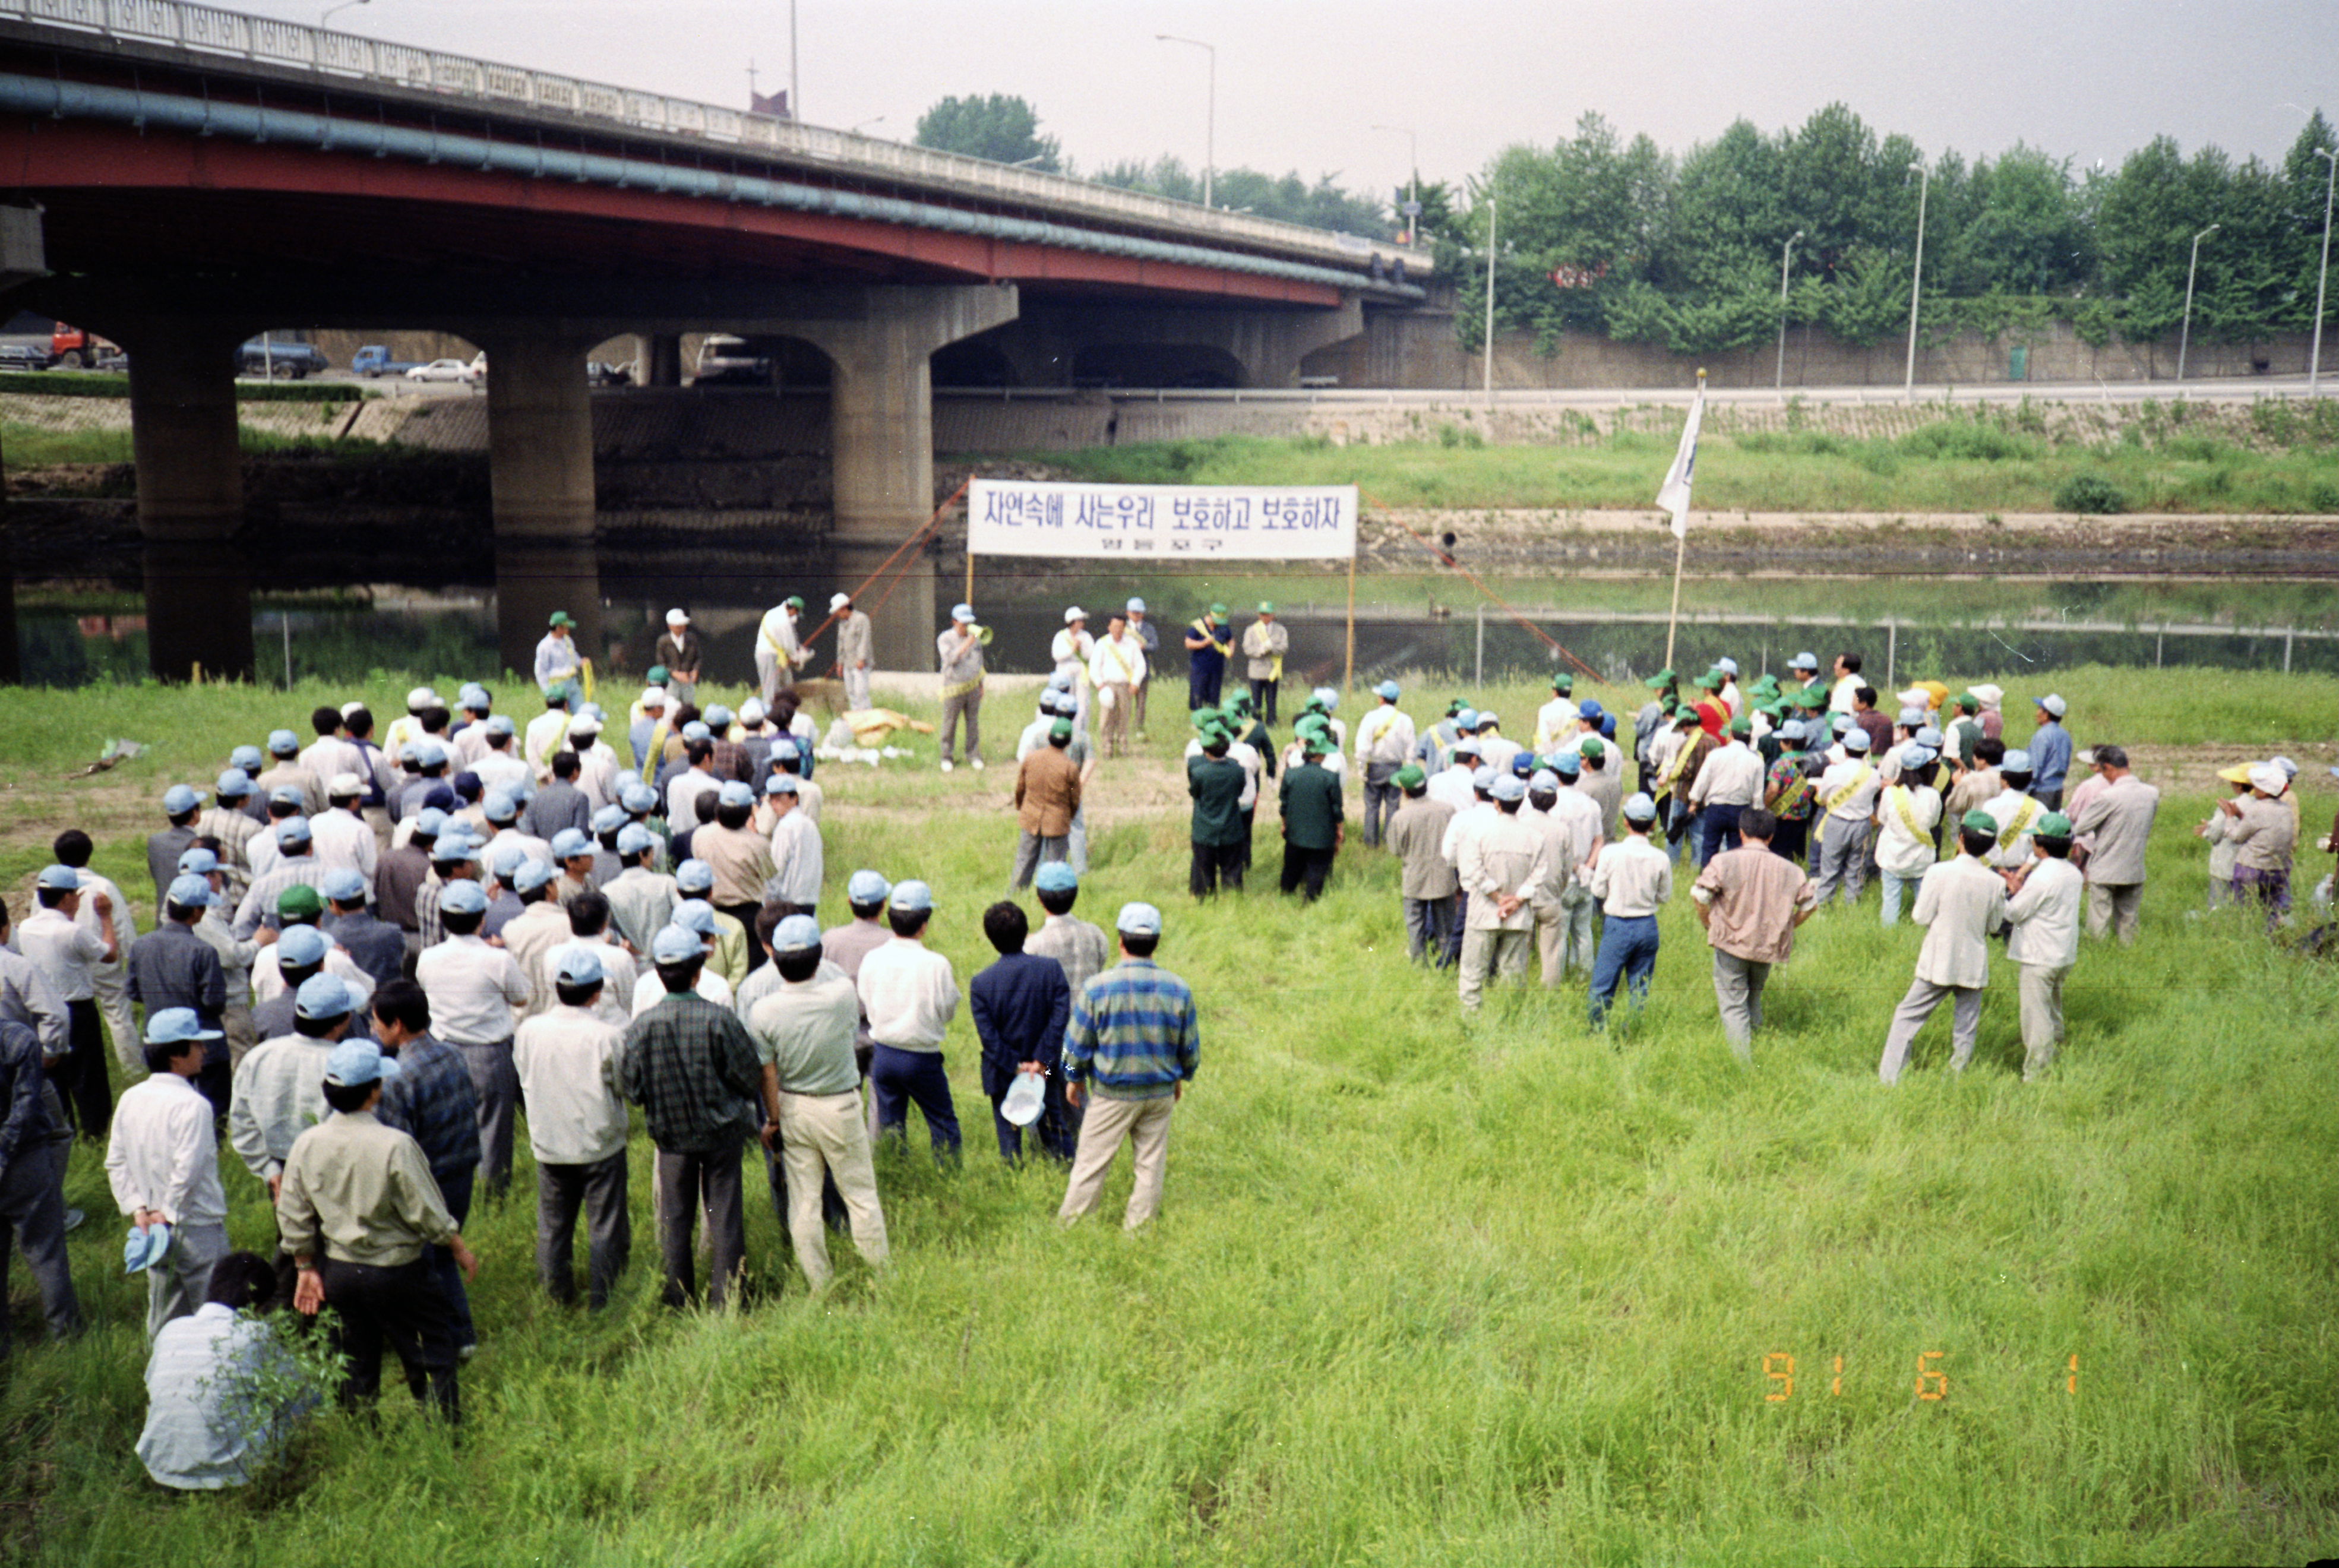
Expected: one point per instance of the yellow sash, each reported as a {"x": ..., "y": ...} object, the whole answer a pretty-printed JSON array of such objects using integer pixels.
[
  {"x": 1859, "y": 781},
  {"x": 1903, "y": 804},
  {"x": 653, "y": 753},
  {"x": 2028, "y": 811},
  {"x": 1674, "y": 769}
]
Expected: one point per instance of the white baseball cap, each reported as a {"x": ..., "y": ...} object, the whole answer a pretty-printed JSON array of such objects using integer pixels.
[
  {"x": 653, "y": 696},
  {"x": 838, "y": 601},
  {"x": 1075, "y": 613},
  {"x": 676, "y": 618}
]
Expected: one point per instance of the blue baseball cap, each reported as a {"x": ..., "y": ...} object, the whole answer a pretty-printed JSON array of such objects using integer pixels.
[
  {"x": 696, "y": 915},
  {"x": 912, "y": 897},
  {"x": 633, "y": 838},
  {"x": 410, "y": 755},
  {"x": 342, "y": 885},
  {"x": 175, "y": 1026},
  {"x": 1727, "y": 666},
  {"x": 501, "y": 725},
  {"x": 234, "y": 785},
  {"x": 799, "y": 933},
  {"x": 431, "y": 752},
  {"x": 472, "y": 695},
  {"x": 1388, "y": 691},
  {"x": 463, "y": 898},
  {"x": 1568, "y": 765},
  {"x": 693, "y": 876},
  {"x": 609, "y": 819},
  {"x": 1482, "y": 779},
  {"x": 2016, "y": 762},
  {"x": 1806, "y": 660},
  {"x": 1855, "y": 739},
  {"x": 1640, "y": 808},
  {"x": 198, "y": 863},
  {"x": 1138, "y": 920},
  {"x": 453, "y": 848},
  {"x": 1467, "y": 719},
  {"x": 780, "y": 784},
  {"x": 1137, "y": 604},
  {"x": 287, "y": 794},
  {"x": 673, "y": 944},
  {"x": 322, "y": 996},
  {"x": 1913, "y": 755},
  {"x": 1509, "y": 788},
  {"x": 870, "y": 887},
  {"x": 355, "y": 1063},
  {"x": 501, "y": 806},
  {"x": 283, "y": 743},
  {"x": 718, "y": 717},
  {"x": 179, "y": 799},
  {"x": 697, "y": 730},
  {"x": 292, "y": 829},
  {"x": 580, "y": 965},
  {"x": 735, "y": 793},
  {"x": 568, "y": 844},
  {"x": 1057, "y": 876},
  {"x": 2053, "y": 704},
  {"x": 1544, "y": 782},
  {"x": 193, "y": 892},
  {"x": 245, "y": 759},
  {"x": 1590, "y": 709},
  {"x": 504, "y": 858},
  {"x": 638, "y": 796},
  {"x": 302, "y": 946},
  {"x": 531, "y": 873}
]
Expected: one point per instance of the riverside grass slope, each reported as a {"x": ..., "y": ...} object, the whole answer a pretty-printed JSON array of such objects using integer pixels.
[{"x": 1423, "y": 1290}]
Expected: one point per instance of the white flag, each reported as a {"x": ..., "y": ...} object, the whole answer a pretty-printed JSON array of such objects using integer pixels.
[{"x": 1674, "y": 494}]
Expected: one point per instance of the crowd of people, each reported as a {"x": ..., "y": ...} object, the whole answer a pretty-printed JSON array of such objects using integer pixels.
[{"x": 377, "y": 963}]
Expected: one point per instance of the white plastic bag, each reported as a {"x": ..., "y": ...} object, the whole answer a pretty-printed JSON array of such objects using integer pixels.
[{"x": 1025, "y": 1099}]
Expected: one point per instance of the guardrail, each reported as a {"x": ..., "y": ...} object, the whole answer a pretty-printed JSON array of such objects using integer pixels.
[{"x": 208, "y": 30}]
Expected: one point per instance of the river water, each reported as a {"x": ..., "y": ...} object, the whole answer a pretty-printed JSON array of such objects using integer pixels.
[{"x": 1907, "y": 627}]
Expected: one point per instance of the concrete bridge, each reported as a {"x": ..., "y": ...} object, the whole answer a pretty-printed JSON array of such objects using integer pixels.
[{"x": 200, "y": 175}]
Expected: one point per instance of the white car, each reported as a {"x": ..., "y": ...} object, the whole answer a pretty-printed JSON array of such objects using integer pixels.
[{"x": 447, "y": 370}]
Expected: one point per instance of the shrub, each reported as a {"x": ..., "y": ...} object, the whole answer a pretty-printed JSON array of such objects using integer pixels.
[
  {"x": 2090, "y": 493},
  {"x": 1960, "y": 439},
  {"x": 2323, "y": 495},
  {"x": 1454, "y": 436}
]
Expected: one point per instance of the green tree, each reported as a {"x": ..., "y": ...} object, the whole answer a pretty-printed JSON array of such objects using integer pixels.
[
  {"x": 1286, "y": 198},
  {"x": 1001, "y": 127}
]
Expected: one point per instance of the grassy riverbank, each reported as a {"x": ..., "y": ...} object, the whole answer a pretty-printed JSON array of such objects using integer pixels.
[
  {"x": 1953, "y": 465},
  {"x": 1423, "y": 1290}
]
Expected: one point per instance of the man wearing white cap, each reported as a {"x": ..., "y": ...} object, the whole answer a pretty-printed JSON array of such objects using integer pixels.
[
  {"x": 678, "y": 651},
  {"x": 340, "y": 838},
  {"x": 778, "y": 652},
  {"x": 546, "y": 733},
  {"x": 959, "y": 651},
  {"x": 1148, "y": 638},
  {"x": 855, "y": 647},
  {"x": 2119, "y": 819},
  {"x": 650, "y": 733},
  {"x": 1071, "y": 650},
  {"x": 407, "y": 726},
  {"x": 1132, "y": 1045}
]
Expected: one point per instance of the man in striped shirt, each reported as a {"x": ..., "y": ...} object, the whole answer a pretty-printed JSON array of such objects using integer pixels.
[{"x": 1131, "y": 1048}]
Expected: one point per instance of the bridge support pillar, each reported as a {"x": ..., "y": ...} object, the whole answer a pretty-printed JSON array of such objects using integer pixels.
[
  {"x": 657, "y": 359},
  {"x": 882, "y": 409},
  {"x": 190, "y": 499},
  {"x": 541, "y": 478}
]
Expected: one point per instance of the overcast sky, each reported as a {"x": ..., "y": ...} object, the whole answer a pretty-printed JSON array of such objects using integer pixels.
[{"x": 1300, "y": 85}]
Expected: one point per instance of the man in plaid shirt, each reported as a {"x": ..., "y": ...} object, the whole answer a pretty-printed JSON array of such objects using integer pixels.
[
  {"x": 1134, "y": 1037},
  {"x": 433, "y": 1101}
]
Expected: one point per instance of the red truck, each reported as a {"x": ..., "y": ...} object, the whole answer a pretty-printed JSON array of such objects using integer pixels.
[{"x": 76, "y": 349}]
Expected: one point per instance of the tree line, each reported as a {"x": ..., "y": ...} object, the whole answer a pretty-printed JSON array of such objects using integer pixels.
[{"x": 1599, "y": 234}]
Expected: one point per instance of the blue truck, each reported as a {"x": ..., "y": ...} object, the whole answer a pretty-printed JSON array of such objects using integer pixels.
[{"x": 374, "y": 359}]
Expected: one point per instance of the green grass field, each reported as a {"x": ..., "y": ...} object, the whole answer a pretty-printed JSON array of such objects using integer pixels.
[
  {"x": 1970, "y": 469},
  {"x": 1423, "y": 1290}
]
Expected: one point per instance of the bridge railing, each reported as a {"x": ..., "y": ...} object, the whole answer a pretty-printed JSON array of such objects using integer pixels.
[{"x": 209, "y": 30}]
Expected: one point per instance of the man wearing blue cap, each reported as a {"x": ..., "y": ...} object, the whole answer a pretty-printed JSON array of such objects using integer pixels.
[
  {"x": 162, "y": 1163},
  {"x": 570, "y": 1060},
  {"x": 170, "y": 967},
  {"x": 910, "y": 994},
  {"x": 1134, "y": 1044},
  {"x": 798, "y": 859},
  {"x": 692, "y": 1067},
  {"x": 500, "y": 764},
  {"x": 1385, "y": 740},
  {"x": 2050, "y": 752},
  {"x": 284, "y": 750},
  {"x": 476, "y": 993},
  {"x": 375, "y": 946},
  {"x": 280, "y": 1089},
  {"x": 295, "y": 866},
  {"x": 959, "y": 651},
  {"x": 227, "y": 823},
  {"x": 540, "y": 926},
  {"x": 1019, "y": 1006},
  {"x": 1632, "y": 879},
  {"x": 739, "y": 857},
  {"x": 34, "y": 1139},
  {"x": 642, "y": 898},
  {"x": 803, "y": 1029},
  {"x": 358, "y": 1210},
  {"x": 181, "y": 805},
  {"x": 67, "y": 955},
  {"x": 1908, "y": 815}
]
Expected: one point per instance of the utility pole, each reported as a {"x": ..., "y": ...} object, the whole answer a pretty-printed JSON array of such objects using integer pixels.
[
  {"x": 1413, "y": 186},
  {"x": 1210, "y": 124},
  {"x": 1491, "y": 213},
  {"x": 1917, "y": 277},
  {"x": 2314, "y": 359},
  {"x": 2185, "y": 339},
  {"x": 796, "y": 88},
  {"x": 1786, "y": 260}
]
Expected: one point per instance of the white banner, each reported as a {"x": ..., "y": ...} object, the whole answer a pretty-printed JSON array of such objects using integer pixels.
[{"x": 1227, "y": 522}]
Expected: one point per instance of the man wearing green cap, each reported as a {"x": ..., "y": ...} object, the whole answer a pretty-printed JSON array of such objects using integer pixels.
[
  {"x": 1210, "y": 644},
  {"x": 1426, "y": 879},
  {"x": 1555, "y": 720},
  {"x": 1963, "y": 733},
  {"x": 1959, "y": 904},
  {"x": 1264, "y": 642},
  {"x": 1655, "y": 719},
  {"x": 557, "y": 663},
  {"x": 1313, "y": 822},
  {"x": 2042, "y": 918},
  {"x": 1217, "y": 783},
  {"x": 1047, "y": 793},
  {"x": 1600, "y": 775}
]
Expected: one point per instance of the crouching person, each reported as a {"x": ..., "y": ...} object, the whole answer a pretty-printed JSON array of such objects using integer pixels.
[{"x": 221, "y": 1395}]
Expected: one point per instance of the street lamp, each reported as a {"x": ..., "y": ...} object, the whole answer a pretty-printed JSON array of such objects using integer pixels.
[
  {"x": 1413, "y": 188},
  {"x": 2314, "y": 359},
  {"x": 1917, "y": 277},
  {"x": 332, "y": 11},
  {"x": 2185, "y": 340},
  {"x": 1786, "y": 260},
  {"x": 1491, "y": 213},
  {"x": 1210, "y": 124},
  {"x": 879, "y": 120}
]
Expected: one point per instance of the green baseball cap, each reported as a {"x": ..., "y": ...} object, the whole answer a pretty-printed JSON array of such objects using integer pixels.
[
  {"x": 1980, "y": 822},
  {"x": 1661, "y": 680},
  {"x": 1218, "y": 612},
  {"x": 1409, "y": 777},
  {"x": 1710, "y": 680},
  {"x": 1592, "y": 750},
  {"x": 300, "y": 902},
  {"x": 1267, "y": 607},
  {"x": 2054, "y": 824},
  {"x": 1741, "y": 725},
  {"x": 561, "y": 619}
]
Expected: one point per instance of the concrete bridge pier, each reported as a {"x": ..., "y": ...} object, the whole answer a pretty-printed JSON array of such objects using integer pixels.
[
  {"x": 540, "y": 479},
  {"x": 883, "y": 443},
  {"x": 190, "y": 497}
]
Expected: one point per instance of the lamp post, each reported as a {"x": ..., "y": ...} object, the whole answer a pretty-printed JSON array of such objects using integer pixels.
[
  {"x": 1413, "y": 187},
  {"x": 1917, "y": 277},
  {"x": 1209, "y": 124},
  {"x": 879, "y": 120},
  {"x": 796, "y": 88},
  {"x": 332, "y": 11},
  {"x": 1490, "y": 296},
  {"x": 2314, "y": 359},
  {"x": 2185, "y": 339},
  {"x": 1786, "y": 260}
]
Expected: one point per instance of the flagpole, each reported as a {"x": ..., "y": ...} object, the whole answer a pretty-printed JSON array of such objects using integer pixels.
[
  {"x": 1680, "y": 528},
  {"x": 1681, "y": 548}
]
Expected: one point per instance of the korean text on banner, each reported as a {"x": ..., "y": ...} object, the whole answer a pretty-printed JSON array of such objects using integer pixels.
[{"x": 1229, "y": 522}]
